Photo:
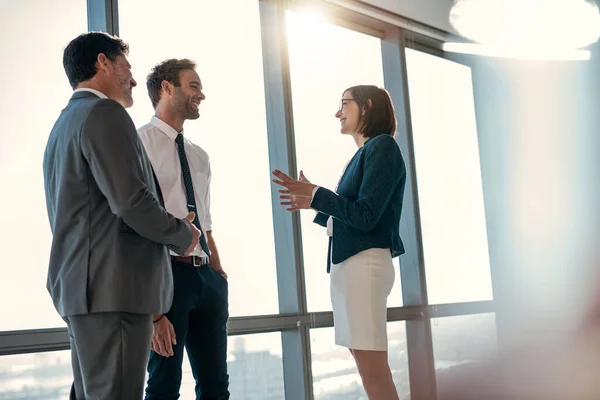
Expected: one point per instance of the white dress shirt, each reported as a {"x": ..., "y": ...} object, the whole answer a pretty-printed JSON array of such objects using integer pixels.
[
  {"x": 96, "y": 92},
  {"x": 159, "y": 141},
  {"x": 330, "y": 219}
]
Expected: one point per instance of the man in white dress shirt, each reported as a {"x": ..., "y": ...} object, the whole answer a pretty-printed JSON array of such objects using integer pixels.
[{"x": 197, "y": 320}]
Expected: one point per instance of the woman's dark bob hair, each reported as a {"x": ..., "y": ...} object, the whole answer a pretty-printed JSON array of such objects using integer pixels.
[{"x": 377, "y": 115}]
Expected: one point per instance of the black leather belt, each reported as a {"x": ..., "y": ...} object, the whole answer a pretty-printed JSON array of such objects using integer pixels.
[{"x": 196, "y": 261}]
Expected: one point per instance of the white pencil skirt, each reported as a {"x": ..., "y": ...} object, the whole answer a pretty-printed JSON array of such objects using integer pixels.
[{"x": 359, "y": 288}]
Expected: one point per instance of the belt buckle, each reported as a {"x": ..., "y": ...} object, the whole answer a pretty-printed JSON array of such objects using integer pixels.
[{"x": 197, "y": 261}]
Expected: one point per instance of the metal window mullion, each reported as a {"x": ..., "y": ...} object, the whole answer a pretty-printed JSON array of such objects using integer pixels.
[
  {"x": 103, "y": 16},
  {"x": 412, "y": 267},
  {"x": 288, "y": 245},
  {"x": 54, "y": 339}
]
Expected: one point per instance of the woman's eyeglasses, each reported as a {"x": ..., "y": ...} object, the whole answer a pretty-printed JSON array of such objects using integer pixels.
[{"x": 343, "y": 102}]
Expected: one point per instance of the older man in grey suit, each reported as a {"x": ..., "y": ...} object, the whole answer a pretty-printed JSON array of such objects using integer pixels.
[{"x": 109, "y": 265}]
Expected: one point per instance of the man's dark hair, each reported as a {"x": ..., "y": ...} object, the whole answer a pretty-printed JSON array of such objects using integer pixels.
[
  {"x": 379, "y": 116},
  {"x": 169, "y": 71},
  {"x": 81, "y": 54}
]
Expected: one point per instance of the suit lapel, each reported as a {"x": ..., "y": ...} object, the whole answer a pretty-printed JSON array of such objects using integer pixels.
[{"x": 349, "y": 166}]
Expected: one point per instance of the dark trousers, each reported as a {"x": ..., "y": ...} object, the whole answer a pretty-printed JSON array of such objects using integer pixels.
[
  {"x": 199, "y": 316},
  {"x": 109, "y": 352}
]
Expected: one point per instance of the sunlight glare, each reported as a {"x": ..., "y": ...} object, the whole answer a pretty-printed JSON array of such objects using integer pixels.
[{"x": 307, "y": 27}]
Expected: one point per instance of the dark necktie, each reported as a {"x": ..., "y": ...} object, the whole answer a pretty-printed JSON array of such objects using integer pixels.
[{"x": 189, "y": 190}]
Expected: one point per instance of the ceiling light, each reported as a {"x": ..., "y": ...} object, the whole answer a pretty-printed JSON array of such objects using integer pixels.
[{"x": 528, "y": 24}]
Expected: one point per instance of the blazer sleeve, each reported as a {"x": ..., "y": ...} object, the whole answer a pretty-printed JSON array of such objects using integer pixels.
[
  {"x": 321, "y": 219},
  {"x": 114, "y": 152},
  {"x": 383, "y": 169}
]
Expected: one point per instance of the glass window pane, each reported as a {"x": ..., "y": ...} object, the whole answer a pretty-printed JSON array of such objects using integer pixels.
[
  {"x": 255, "y": 368},
  {"x": 40, "y": 376},
  {"x": 462, "y": 340},
  {"x": 449, "y": 179},
  {"x": 334, "y": 372},
  {"x": 231, "y": 128},
  {"x": 325, "y": 60},
  {"x": 34, "y": 33},
  {"x": 254, "y": 363}
]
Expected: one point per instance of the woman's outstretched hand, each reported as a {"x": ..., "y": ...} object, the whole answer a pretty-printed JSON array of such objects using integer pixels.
[{"x": 297, "y": 194}]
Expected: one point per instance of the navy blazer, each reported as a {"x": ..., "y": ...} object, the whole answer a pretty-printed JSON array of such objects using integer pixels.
[{"x": 367, "y": 207}]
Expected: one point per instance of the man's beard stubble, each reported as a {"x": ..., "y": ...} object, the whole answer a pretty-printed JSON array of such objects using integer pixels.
[{"x": 186, "y": 108}]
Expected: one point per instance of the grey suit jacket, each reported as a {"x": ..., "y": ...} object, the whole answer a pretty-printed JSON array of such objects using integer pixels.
[{"x": 109, "y": 230}]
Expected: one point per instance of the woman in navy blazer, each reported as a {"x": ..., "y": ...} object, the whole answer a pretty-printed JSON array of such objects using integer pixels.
[{"x": 363, "y": 223}]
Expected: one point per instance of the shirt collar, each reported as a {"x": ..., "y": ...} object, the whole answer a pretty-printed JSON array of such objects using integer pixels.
[
  {"x": 96, "y": 92},
  {"x": 165, "y": 128}
]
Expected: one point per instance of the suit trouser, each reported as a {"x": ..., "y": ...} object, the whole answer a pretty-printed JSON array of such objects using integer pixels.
[
  {"x": 109, "y": 352},
  {"x": 199, "y": 316}
]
